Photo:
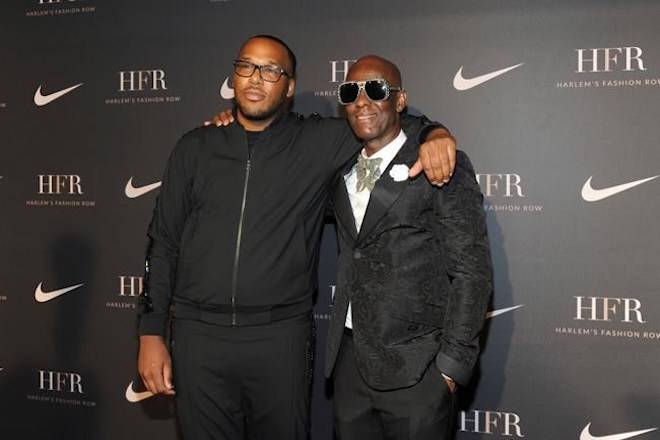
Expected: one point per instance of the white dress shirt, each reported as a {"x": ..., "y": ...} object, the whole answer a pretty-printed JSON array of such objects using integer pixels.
[{"x": 360, "y": 200}]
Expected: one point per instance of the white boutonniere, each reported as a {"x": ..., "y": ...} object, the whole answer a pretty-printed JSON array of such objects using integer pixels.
[{"x": 399, "y": 172}]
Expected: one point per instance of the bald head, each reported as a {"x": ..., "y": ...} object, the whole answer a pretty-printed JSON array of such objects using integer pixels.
[
  {"x": 376, "y": 123},
  {"x": 377, "y": 66}
]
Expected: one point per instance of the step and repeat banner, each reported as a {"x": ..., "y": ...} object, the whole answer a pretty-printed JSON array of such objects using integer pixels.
[{"x": 556, "y": 102}]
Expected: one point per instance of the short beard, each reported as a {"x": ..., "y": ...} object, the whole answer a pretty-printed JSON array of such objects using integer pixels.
[
  {"x": 260, "y": 115},
  {"x": 264, "y": 114}
]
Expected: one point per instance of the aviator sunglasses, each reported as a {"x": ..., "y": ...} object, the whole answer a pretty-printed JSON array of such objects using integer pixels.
[{"x": 376, "y": 90}]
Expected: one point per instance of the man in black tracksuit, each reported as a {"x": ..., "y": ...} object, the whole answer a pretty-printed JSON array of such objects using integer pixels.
[{"x": 234, "y": 244}]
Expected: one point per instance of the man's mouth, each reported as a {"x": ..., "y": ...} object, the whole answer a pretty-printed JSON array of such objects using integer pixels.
[
  {"x": 254, "y": 94},
  {"x": 365, "y": 117}
]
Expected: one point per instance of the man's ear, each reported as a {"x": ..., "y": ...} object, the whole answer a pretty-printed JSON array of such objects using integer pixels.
[
  {"x": 291, "y": 90},
  {"x": 401, "y": 101}
]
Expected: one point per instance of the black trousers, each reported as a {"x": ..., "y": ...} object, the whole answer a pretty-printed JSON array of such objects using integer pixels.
[
  {"x": 239, "y": 383},
  {"x": 424, "y": 411}
]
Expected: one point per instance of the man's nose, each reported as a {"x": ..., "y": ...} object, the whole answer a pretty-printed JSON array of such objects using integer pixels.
[
  {"x": 256, "y": 76},
  {"x": 362, "y": 98}
]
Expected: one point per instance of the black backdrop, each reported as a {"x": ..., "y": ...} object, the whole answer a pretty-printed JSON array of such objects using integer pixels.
[{"x": 572, "y": 349}]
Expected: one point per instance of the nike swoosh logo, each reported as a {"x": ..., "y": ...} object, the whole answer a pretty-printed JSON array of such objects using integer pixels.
[
  {"x": 133, "y": 192},
  {"x": 225, "y": 91},
  {"x": 42, "y": 296},
  {"x": 497, "y": 312},
  {"x": 461, "y": 83},
  {"x": 133, "y": 397},
  {"x": 589, "y": 194},
  {"x": 41, "y": 100},
  {"x": 586, "y": 435}
]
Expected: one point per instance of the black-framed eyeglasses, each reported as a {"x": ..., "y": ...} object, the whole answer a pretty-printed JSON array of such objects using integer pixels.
[
  {"x": 375, "y": 89},
  {"x": 268, "y": 72}
]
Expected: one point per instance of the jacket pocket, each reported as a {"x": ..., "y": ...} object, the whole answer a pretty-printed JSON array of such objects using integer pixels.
[{"x": 418, "y": 312}]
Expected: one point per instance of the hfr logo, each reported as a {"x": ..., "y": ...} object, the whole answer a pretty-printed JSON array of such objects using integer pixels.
[
  {"x": 606, "y": 59},
  {"x": 60, "y": 184},
  {"x": 491, "y": 422},
  {"x": 60, "y": 381},
  {"x": 141, "y": 80},
  {"x": 596, "y": 308},
  {"x": 503, "y": 185},
  {"x": 130, "y": 285},
  {"x": 340, "y": 70}
]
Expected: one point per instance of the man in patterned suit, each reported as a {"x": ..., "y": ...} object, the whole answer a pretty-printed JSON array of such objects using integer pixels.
[{"x": 414, "y": 275}]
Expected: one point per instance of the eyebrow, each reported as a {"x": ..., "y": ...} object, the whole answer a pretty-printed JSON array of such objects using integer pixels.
[{"x": 269, "y": 61}]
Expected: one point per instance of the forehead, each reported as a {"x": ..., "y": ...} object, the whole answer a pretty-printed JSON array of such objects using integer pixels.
[
  {"x": 368, "y": 70},
  {"x": 264, "y": 51}
]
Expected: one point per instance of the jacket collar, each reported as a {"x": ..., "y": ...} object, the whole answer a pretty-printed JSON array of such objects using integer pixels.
[
  {"x": 283, "y": 122},
  {"x": 385, "y": 193},
  {"x": 387, "y": 190}
]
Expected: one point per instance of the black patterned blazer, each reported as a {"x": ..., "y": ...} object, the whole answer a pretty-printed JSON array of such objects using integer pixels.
[{"x": 418, "y": 276}]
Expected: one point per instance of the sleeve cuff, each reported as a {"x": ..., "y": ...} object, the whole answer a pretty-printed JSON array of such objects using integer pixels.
[
  {"x": 428, "y": 129},
  {"x": 452, "y": 368},
  {"x": 152, "y": 324}
]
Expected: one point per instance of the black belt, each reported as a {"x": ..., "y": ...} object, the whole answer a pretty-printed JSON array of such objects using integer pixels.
[
  {"x": 348, "y": 331},
  {"x": 240, "y": 317}
]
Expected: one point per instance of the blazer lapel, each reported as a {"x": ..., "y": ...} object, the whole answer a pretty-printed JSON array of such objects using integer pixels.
[{"x": 387, "y": 190}]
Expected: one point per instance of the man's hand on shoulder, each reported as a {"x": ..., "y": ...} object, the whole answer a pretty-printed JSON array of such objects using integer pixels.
[
  {"x": 222, "y": 119},
  {"x": 155, "y": 365},
  {"x": 437, "y": 157}
]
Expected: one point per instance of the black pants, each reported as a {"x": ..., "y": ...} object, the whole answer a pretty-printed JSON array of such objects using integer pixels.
[
  {"x": 424, "y": 411},
  {"x": 241, "y": 383}
]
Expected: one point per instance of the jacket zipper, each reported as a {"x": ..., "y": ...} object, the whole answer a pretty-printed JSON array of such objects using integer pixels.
[{"x": 239, "y": 233}]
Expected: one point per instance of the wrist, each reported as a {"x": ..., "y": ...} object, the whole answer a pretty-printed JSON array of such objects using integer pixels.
[
  {"x": 451, "y": 384},
  {"x": 440, "y": 133}
]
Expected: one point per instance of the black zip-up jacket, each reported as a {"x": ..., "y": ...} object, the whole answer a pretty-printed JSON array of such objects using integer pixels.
[{"x": 235, "y": 236}]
